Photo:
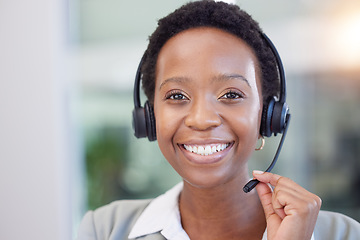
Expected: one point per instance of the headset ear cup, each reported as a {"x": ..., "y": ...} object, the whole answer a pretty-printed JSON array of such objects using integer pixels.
[
  {"x": 268, "y": 108},
  {"x": 150, "y": 121},
  {"x": 138, "y": 123},
  {"x": 278, "y": 121}
]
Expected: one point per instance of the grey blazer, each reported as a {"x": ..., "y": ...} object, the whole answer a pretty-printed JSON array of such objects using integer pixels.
[{"x": 115, "y": 221}]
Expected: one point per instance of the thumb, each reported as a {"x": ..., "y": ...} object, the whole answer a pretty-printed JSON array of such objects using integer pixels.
[{"x": 265, "y": 194}]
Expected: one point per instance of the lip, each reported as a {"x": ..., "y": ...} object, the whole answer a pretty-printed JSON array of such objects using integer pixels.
[{"x": 208, "y": 159}]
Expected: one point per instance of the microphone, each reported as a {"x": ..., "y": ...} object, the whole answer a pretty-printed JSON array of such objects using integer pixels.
[{"x": 252, "y": 183}]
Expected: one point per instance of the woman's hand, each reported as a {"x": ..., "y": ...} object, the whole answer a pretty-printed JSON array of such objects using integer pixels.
[{"x": 290, "y": 210}]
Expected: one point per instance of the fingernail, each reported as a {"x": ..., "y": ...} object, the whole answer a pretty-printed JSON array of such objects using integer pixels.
[{"x": 257, "y": 172}]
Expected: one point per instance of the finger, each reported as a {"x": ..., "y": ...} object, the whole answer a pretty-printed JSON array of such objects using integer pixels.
[
  {"x": 272, "y": 218},
  {"x": 277, "y": 205},
  {"x": 279, "y": 181},
  {"x": 294, "y": 203},
  {"x": 265, "y": 195},
  {"x": 282, "y": 200},
  {"x": 267, "y": 177}
]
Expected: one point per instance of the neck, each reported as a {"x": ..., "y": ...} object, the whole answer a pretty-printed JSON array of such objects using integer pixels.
[{"x": 220, "y": 211}]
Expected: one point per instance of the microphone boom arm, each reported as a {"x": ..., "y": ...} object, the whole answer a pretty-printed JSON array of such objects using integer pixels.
[{"x": 252, "y": 183}]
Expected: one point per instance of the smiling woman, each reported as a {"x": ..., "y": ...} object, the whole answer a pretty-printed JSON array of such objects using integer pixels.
[
  {"x": 208, "y": 58},
  {"x": 208, "y": 74}
]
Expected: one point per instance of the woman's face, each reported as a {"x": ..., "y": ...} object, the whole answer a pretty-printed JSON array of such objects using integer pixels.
[{"x": 207, "y": 105}]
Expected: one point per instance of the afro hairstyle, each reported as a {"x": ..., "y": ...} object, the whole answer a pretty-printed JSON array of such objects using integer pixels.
[{"x": 207, "y": 13}]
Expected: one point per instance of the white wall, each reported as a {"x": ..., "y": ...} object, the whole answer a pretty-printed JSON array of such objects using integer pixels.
[{"x": 34, "y": 135}]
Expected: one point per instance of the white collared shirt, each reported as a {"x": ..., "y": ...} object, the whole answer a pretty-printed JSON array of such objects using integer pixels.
[{"x": 163, "y": 215}]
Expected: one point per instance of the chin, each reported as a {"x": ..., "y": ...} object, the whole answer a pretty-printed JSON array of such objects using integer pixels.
[{"x": 210, "y": 179}]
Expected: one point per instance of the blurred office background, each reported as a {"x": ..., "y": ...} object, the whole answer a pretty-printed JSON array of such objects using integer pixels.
[{"x": 67, "y": 70}]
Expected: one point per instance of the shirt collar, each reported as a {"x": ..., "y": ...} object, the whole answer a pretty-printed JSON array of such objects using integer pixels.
[{"x": 162, "y": 215}]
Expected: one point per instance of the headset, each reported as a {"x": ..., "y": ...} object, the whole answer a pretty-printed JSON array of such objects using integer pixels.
[
  {"x": 275, "y": 114},
  {"x": 143, "y": 117}
]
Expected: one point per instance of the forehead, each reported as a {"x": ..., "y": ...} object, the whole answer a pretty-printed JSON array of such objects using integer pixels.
[
  {"x": 210, "y": 48},
  {"x": 206, "y": 35}
]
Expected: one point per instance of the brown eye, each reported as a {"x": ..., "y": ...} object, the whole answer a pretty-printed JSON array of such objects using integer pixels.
[
  {"x": 175, "y": 95},
  {"x": 232, "y": 95}
]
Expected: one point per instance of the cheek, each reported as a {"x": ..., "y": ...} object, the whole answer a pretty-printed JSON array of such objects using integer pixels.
[
  {"x": 167, "y": 123},
  {"x": 247, "y": 124},
  {"x": 250, "y": 113},
  {"x": 162, "y": 125}
]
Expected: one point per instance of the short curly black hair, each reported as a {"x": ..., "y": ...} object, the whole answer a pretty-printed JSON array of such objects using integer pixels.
[{"x": 207, "y": 13}]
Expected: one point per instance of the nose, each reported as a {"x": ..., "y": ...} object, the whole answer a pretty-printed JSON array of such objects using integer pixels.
[{"x": 202, "y": 116}]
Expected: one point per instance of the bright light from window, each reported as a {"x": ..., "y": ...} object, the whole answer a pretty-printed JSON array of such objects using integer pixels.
[{"x": 348, "y": 40}]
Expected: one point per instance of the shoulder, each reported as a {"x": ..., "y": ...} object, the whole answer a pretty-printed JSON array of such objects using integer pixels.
[
  {"x": 114, "y": 220},
  {"x": 334, "y": 226}
]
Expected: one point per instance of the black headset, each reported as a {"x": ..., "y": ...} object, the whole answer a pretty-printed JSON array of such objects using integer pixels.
[
  {"x": 143, "y": 117},
  {"x": 274, "y": 115}
]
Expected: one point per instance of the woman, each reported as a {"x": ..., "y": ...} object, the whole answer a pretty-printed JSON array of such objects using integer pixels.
[{"x": 207, "y": 73}]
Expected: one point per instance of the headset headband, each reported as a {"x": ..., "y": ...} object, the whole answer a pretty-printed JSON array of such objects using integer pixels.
[{"x": 280, "y": 67}]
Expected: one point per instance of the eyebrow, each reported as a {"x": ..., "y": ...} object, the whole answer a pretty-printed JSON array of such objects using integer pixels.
[
  {"x": 225, "y": 77},
  {"x": 219, "y": 78},
  {"x": 174, "y": 79}
]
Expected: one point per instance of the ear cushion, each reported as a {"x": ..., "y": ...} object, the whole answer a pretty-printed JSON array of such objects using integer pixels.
[
  {"x": 150, "y": 121},
  {"x": 278, "y": 121},
  {"x": 138, "y": 123},
  {"x": 273, "y": 117},
  {"x": 268, "y": 108}
]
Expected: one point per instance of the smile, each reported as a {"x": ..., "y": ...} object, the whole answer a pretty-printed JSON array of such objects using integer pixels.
[{"x": 206, "y": 150}]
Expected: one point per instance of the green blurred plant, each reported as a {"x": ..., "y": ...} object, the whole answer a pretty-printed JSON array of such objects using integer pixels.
[{"x": 106, "y": 155}]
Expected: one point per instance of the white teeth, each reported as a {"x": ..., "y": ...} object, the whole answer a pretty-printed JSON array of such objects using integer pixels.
[
  {"x": 201, "y": 150},
  {"x": 190, "y": 148},
  {"x": 206, "y": 149},
  {"x": 213, "y": 149}
]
